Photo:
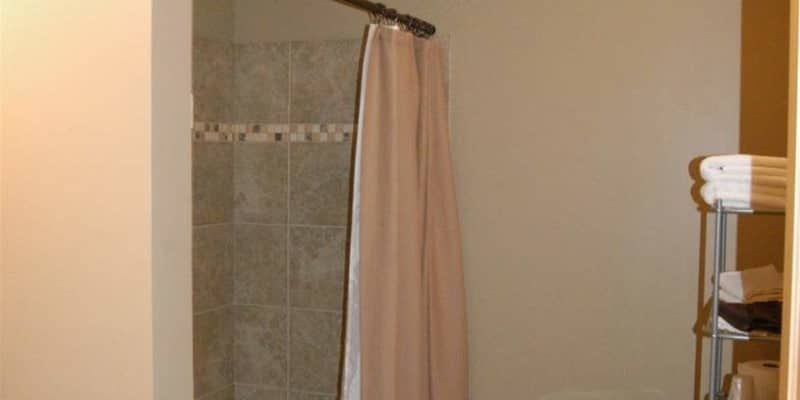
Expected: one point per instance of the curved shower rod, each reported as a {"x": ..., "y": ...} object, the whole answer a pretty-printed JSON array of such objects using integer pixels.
[{"x": 413, "y": 24}]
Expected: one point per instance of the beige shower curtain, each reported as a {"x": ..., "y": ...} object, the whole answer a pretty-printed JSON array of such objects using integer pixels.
[{"x": 406, "y": 325}]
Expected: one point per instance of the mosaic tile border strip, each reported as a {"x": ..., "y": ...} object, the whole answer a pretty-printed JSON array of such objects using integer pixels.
[{"x": 214, "y": 132}]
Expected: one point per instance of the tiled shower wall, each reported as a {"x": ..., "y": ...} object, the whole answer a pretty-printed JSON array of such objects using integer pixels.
[{"x": 271, "y": 188}]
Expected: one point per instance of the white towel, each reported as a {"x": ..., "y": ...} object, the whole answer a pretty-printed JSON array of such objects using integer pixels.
[
  {"x": 745, "y": 188},
  {"x": 751, "y": 285},
  {"x": 744, "y": 196},
  {"x": 744, "y": 160},
  {"x": 758, "y": 180},
  {"x": 727, "y": 327},
  {"x": 745, "y": 169}
]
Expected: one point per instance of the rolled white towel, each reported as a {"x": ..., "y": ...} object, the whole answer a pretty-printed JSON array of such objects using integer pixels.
[
  {"x": 751, "y": 180},
  {"x": 745, "y": 160},
  {"x": 726, "y": 186},
  {"x": 737, "y": 196},
  {"x": 742, "y": 166}
]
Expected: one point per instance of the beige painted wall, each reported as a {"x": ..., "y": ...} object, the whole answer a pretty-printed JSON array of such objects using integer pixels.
[
  {"x": 574, "y": 124},
  {"x": 95, "y": 176}
]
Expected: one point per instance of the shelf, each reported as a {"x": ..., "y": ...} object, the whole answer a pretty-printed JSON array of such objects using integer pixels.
[
  {"x": 756, "y": 336},
  {"x": 720, "y": 241},
  {"x": 741, "y": 211}
]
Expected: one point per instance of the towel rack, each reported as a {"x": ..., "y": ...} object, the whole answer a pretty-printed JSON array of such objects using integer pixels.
[{"x": 716, "y": 334}]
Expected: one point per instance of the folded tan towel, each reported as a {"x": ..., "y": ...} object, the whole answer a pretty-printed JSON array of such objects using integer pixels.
[{"x": 754, "y": 285}]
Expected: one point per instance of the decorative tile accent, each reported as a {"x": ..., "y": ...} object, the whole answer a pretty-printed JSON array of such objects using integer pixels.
[
  {"x": 212, "y": 132},
  {"x": 261, "y": 133},
  {"x": 272, "y": 133},
  {"x": 321, "y": 133},
  {"x": 212, "y": 126}
]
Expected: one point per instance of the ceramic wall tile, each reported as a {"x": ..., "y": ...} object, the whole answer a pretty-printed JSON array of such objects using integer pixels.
[
  {"x": 212, "y": 79},
  {"x": 226, "y": 393},
  {"x": 317, "y": 267},
  {"x": 213, "y": 351},
  {"x": 315, "y": 351},
  {"x": 212, "y": 183},
  {"x": 320, "y": 189},
  {"x": 257, "y": 392},
  {"x": 260, "y": 269},
  {"x": 212, "y": 266},
  {"x": 325, "y": 80},
  {"x": 261, "y": 182},
  {"x": 261, "y": 82},
  {"x": 260, "y": 352}
]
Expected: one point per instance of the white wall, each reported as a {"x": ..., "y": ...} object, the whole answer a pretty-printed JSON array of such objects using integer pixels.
[
  {"x": 95, "y": 175},
  {"x": 574, "y": 125}
]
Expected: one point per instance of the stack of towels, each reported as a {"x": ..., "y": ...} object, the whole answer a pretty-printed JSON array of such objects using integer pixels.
[
  {"x": 744, "y": 181},
  {"x": 750, "y": 300}
]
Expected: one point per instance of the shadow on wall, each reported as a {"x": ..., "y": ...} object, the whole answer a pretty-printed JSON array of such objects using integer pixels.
[{"x": 763, "y": 130}]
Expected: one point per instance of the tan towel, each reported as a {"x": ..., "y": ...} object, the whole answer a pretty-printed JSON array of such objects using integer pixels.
[{"x": 753, "y": 285}]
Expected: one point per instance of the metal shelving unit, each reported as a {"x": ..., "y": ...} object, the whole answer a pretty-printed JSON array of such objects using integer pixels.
[{"x": 716, "y": 334}]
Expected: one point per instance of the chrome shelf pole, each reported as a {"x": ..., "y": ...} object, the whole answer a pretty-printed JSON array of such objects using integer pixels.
[{"x": 715, "y": 360}]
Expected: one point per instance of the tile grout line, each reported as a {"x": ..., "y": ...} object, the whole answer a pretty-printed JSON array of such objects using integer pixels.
[
  {"x": 288, "y": 226},
  {"x": 293, "y": 225},
  {"x": 278, "y": 388},
  {"x": 235, "y": 231},
  {"x": 318, "y": 310},
  {"x": 281, "y": 307},
  {"x": 216, "y": 224},
  {"x": 315, "y": 393},
  {"x": 210, "y": 310},
  {"x": 234, "y": 262}
]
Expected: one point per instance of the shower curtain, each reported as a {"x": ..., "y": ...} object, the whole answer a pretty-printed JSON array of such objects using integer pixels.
[{"x": 406, "y": 324}]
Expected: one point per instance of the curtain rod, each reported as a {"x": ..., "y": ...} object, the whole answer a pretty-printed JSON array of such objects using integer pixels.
[{"x": 413, "y": 24}]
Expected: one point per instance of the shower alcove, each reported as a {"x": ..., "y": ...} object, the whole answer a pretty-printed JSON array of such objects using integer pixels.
[{"x": 272, "y": 138}]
